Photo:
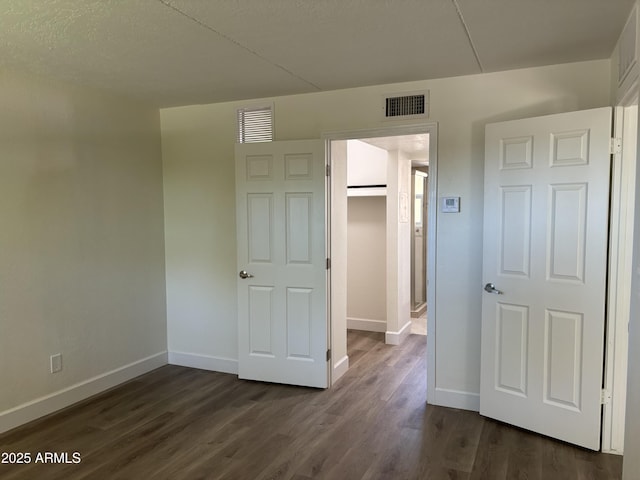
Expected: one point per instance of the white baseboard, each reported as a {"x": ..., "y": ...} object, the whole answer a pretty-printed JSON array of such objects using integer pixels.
[
  {"x": 366, "y": 324},
  {"x": 612, "y": 452},
  {"x": 419, "y": 311},
  {"x": 53, "y": 402},
  {"x": 396, "y": 338},
  {"x": 204, "y": 362},
  {"x": 455, "y": 399},
  {"x": 339, "y": 369}
]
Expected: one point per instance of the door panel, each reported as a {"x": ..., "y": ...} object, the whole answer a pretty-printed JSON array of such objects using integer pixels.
[
  {"x": 299, "y": 208},
  {"x": 280, "y": 217},
  {"x": 299, "y": 315},
  {"x": 512, "y": 330},
  {"x": 261, "y": 320},
  {"x": 563, "y": 359},
  {"x": 259, "y": 224},
  {"x": 567, "y": 232},
  {"x": 516, "y": 230},
  {"x": 545, "y": 247}
]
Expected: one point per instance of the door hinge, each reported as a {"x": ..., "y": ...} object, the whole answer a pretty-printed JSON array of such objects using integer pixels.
[
  {"x": 328, "y": 170},
  {"x": 615, "y": 146},
  {"x": 605, "y": 396},
  {"x": 328, "y": 355},
  {"x": 328, "y": 263}
]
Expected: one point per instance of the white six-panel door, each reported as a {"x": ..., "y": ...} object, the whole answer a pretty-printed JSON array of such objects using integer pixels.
[
  {"x": 545, "y": 250},
  {"x": 280, "y": 222}
]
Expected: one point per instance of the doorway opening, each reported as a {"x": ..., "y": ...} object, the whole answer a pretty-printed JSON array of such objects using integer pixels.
[
  {"x": 373, "y": 214},
  {"x": 419, "y": 232}
]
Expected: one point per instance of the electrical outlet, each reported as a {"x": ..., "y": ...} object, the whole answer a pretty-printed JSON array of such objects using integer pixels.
[{"x": 56, "y": 362}]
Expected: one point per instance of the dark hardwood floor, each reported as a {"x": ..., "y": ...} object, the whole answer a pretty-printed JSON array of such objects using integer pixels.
[{"x": 180, "y": 423}]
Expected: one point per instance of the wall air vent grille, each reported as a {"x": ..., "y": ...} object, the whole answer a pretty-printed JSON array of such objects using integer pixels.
[
  {"x": 255, "y": 124},
  {"x": 406, "y": 106}
]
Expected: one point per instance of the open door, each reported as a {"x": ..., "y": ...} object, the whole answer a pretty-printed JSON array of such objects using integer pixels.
[
  {"x": 282, "y": 279},
  {"x": 544, "y": 273}
]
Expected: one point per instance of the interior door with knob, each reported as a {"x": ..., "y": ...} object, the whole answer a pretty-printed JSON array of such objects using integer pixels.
[
  {"x": 544, "y": 273},
  {"x": 282, "y": 276}
]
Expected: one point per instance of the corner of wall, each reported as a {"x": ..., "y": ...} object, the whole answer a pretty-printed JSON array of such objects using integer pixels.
[
  {"x": 53, "y": 402},
  {"x": 396, "y": 338}
]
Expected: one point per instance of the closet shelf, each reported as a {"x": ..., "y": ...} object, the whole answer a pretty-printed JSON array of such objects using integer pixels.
[{"x": 367, "y": 191}]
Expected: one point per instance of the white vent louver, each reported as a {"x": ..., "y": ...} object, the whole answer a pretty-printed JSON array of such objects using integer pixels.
[
  {"x": 413, "y": 105},
  {"x": 255, "y": 124}
]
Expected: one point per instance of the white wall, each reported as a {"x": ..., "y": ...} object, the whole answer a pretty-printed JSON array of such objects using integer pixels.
[
  {"x": 366, "y": 164},
  {"x": 631, "y": 465},
  {"x": 338, "y": 253},
  {"x": 81, "y": 243},
  {"x": 366, "y": 238},
  {"x": 398, "y": 248},
  {"x": 200, "y": 229},
  {"x": 197, "y": 144},
  {"x": 623, "y": 93},
  {"x": 366, "y": 262}
]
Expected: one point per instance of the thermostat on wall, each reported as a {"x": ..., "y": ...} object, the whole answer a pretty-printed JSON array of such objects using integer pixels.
[{"x": 450, "y": 205}]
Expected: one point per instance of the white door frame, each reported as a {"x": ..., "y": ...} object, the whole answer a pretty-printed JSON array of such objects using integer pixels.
[
  {"x": 336, "y": 232},
  {"x": 620, "y": 273}
]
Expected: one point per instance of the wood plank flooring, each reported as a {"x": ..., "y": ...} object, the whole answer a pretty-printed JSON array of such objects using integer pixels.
[{"x": 180, "y": 423}]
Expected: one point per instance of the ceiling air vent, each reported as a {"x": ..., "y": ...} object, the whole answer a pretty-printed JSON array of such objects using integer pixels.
[{"x": 402, "y": 107}]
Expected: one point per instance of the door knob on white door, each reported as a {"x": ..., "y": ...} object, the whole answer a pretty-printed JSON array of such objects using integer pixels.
[
  {"x": 243, "y": 274},
  {"x": 491, "y": 288}
]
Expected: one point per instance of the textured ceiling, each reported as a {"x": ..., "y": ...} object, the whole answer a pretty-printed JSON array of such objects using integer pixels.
[{"x": 180, "y": 52}]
